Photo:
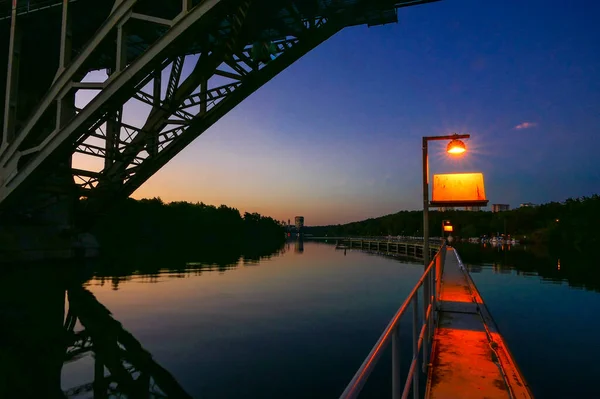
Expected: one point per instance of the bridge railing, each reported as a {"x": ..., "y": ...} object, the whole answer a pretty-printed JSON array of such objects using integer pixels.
[
  {"x": 422, "y": 333},
  {"x": 401, "y": 239}
]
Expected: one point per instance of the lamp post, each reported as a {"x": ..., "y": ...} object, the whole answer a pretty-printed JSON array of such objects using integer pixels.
[{"x": 455, "y": 147}]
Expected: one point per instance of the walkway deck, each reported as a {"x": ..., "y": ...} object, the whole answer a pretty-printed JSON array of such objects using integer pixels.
[{"x": 469, "y": 356}]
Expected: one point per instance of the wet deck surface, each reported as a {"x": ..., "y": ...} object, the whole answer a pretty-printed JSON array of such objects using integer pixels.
[{"x": 463, "y": 358}]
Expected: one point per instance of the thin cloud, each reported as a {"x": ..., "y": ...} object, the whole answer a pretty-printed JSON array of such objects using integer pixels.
[{"x": 526, "y": 125}]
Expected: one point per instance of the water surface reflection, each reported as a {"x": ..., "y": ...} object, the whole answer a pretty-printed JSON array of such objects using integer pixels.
[
  {"x": 552, "y": 265},
  {"x": 53, "y": 326},
  {"x": 268, "y": 325},
  {"x": 185, "y": 328}
]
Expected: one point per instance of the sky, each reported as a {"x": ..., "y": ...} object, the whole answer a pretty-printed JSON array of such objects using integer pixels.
[{"x": 337, "y": 136}]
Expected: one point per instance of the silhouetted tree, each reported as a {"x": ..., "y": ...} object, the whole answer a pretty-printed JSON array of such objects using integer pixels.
[{"x": 147, "y": 232}]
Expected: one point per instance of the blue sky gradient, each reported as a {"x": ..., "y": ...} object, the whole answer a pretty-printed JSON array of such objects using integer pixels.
[{"x": 336, "y": 137}]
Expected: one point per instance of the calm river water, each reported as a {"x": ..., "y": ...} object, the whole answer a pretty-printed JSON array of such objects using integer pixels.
[{"x": 295, "y": 325}]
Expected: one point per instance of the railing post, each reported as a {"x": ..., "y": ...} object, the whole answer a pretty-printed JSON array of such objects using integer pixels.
[
  {"x": 426, "y": 300},
  {"x": 433, "y": 301},
  {"x": 441, "y": 272},
  {"x": 396, "y": 380},
  {"x": 415, "y": 383}
]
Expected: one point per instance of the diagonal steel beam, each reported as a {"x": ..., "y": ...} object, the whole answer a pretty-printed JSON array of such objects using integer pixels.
[
  {"x": 202, "y": 122},
  {"x": 205, "y": 67},
  {"x": 116, "y": 86},
  {"x": 159, "y": 116},
  {"x": 67, "y": 76},
  {"x": 176, "y": 69}
]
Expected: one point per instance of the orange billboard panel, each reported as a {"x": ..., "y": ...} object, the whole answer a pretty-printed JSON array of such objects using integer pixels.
[{"x": 458, "y": 189}]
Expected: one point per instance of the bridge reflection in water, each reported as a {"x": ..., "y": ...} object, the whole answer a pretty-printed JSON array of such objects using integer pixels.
[{"x": 53, "y": 322}]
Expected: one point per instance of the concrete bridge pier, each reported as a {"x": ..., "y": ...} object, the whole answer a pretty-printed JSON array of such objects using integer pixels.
[{"x": 42, "y": 226}]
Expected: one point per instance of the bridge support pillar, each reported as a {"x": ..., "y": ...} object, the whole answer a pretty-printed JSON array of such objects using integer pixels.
[
  {"x": 12, "y": 80},
  {"x": 44, "y": 226}
]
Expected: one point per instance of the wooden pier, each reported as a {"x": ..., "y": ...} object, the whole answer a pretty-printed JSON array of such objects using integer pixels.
[
  {"x": 409, "y": 249},
  {"x": 469, "y": 357},
  {"x": 455, "y": 341}
]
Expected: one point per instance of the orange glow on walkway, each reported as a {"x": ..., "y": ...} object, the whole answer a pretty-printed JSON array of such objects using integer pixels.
[{"x": 469, "y": 358}]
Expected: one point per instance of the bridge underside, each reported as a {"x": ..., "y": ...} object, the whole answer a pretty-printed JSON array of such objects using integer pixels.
[{"x": 165, "y": 72}]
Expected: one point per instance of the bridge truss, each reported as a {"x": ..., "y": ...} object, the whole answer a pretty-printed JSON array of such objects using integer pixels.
[{"x": 185, "y": 63}]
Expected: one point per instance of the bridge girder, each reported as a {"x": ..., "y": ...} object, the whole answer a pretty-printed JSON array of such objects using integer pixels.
[{"x": 143, "y": 45}]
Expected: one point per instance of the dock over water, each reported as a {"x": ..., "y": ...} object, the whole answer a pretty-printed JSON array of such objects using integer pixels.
[
  {"x": 469, "y": 358},
  {"x": 455, "y": 342}
]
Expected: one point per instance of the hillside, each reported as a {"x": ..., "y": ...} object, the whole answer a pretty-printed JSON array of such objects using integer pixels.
[{"x": 573, "y": 222}]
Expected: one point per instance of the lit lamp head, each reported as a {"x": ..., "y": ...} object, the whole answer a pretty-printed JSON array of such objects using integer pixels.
[
  {"x": 456, "y": 147},
  {"x": 447, "y": 226}
]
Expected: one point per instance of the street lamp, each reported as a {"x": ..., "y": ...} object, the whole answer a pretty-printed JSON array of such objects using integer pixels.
[{"x": 455, "y": 147}]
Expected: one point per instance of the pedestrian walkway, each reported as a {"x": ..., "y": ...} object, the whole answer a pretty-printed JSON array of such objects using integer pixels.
[{"x": 469, "y": 356}]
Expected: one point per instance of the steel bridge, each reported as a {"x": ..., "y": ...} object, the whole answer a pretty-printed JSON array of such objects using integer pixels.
[{"x": 71, "y": 139}]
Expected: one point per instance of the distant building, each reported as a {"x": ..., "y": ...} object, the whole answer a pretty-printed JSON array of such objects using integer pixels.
[
  {"x": 445, "y": 208},
  {"x": 472, "y": 208},
  {"x": 527, "y": 205},
  {"x": 299, "y": 223},
  {"x": 500, "y": 207}
]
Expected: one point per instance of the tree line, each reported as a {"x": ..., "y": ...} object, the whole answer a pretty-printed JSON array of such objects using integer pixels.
[
  {"x": 149, "y": 229},
  {"x": 574, "y": 222}
]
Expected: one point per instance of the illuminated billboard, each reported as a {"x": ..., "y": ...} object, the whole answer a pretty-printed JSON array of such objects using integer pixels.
[{"x": 458, "y": 189}]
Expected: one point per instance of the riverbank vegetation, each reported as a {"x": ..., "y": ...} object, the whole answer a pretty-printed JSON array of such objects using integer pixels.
[
  {"x": 573, "y": 222},
  {"x": 144, "y": 231}
]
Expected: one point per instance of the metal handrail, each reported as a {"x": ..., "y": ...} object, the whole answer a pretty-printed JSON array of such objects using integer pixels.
[
  {"x": 389, "y": 238},
  {"x": 429, "y": 280}
]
